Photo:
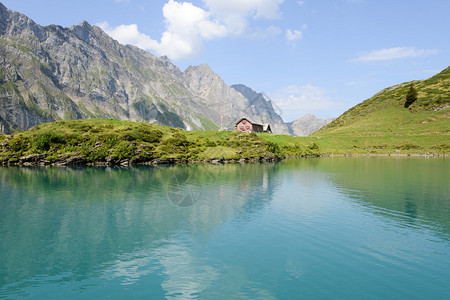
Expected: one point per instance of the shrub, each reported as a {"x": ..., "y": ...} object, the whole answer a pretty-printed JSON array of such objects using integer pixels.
[
  {"x": 45, "y": 139},
  {"x": 313, "y": 146},
  {"x": 73, "y": 138},
  {"x": 274, "y": 148},
  {"x": 108, "y": 138},
  {"x": 143, "y": 134},
  {"x": 52, "y": 158},
  {"x": 411, "y": 96},
  {"x": 123, "y": 150},
  {"x": 210, "y": 143},
  {"x": 177, "y": 140},
  {"x": 312, "y": 149},
  {"x": 19, "y": 144},
  {"x": 409, "y": 147},
  {"x": 97, "y": 154},
  {"x": 79, "y": 125}
]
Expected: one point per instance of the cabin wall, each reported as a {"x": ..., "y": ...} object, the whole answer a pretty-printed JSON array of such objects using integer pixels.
[
  {"x": 257, "y": 128},
  {"x": 244, "y": 126}
]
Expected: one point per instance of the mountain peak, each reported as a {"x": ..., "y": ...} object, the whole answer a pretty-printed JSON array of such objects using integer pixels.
[
  {"x": 200, "y": 69},
  {"x": 307, "y": 124},
  {"x": 82, "y": 31},
  {"x": 82, "y": 26},
  {"x": 201, "y": 72},
  {"x": 205, "y": 66},
  {"x": 85, "y": 24}
]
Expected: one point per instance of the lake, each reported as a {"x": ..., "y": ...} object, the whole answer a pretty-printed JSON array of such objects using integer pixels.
[{"x": 318, "y": 228}]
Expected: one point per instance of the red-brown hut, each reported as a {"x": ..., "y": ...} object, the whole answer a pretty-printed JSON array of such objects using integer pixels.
[{"x": 245, "y": 125}]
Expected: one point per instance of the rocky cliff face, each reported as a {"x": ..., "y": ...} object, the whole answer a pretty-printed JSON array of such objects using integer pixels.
[
  {"x": 307, "y": 124},
  {"x": 262, "y": 109},
  {"x": 52, "y": 73}
]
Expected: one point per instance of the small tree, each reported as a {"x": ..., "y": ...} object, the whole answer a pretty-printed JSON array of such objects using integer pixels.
[{"x": 411, "y": 96}]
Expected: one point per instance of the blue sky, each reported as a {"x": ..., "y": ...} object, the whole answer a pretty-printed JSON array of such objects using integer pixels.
[{"x": 312, "y": 56}]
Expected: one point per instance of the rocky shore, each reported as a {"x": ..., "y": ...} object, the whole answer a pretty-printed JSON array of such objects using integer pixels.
[{"x": 81, "y": 160}]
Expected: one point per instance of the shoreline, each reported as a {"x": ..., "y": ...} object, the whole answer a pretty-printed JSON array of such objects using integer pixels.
[{"x": 35, "y": 160}]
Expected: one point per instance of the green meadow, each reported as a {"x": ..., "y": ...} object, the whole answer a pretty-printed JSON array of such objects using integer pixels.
[{"x": 98, "y": 141}]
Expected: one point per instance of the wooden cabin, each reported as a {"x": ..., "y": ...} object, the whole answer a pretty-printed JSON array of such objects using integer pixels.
[{"x": 245, "y": 125}]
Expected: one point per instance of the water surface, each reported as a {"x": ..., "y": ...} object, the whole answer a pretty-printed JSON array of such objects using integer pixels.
[{"x": 348, "y": 228}]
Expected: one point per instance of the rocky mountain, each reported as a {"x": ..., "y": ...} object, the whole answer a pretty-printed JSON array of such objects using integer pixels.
[
  {"x": 52, "y": 73},
  {"x": 306, "y": 125},
  {"x": 263, "y": 108}
]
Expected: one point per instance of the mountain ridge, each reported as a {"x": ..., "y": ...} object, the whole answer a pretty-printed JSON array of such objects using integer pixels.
[{"x": 53, "y": 73}]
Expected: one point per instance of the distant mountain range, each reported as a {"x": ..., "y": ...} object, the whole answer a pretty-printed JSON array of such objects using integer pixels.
[
  {"x": 50, "y": 73},
  {"x": 306, "y": 125}
]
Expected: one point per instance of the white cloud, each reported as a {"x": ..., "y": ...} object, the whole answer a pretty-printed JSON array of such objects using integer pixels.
[
  {"x": 394, "y": 53},
  {"x": 296, "y": 101},
  {"x": 268, "y": 32},
  {"x": 235, "y": 14},
  {"x": 293, "y": 35},
  {"x": 300, "y": 3},
  {"x": 188, "y": 26},
  {"x": 267, "y": 9},
  {"x": 186, "y": 20},
  {"x": 129, "y": 34}
]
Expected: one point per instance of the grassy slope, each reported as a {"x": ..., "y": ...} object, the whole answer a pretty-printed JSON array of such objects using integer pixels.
[{"x": 381, "y": 124}]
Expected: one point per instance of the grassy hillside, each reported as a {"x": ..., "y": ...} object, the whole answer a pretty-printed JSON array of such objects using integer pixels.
[
  {"x": 384, "y": 115},
  {"x": 382, "y": 124}
]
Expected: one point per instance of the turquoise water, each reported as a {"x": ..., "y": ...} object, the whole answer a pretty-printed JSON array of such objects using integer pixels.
[{"x": 328, "y": 228}]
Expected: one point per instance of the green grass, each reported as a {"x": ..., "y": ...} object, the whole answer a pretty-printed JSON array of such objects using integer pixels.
[
  {"x": 101, "y": 141},
  {"x": 385, "y": 111},
  {"x": 381, "y": 124},
  {"x": 114, "y": 141}
]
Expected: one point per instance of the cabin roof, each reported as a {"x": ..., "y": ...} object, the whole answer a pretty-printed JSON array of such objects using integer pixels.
[{"x": 240, "y": 120}]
